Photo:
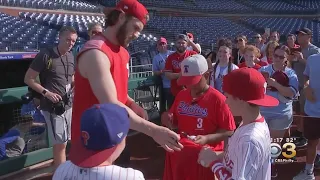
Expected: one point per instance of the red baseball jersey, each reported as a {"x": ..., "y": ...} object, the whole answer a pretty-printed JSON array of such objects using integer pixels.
[
  {"x": 202, "y": 116},
  {"x": 183, "y": 165},
  {"x": 256, "y": 66},
  {"x": 173, "y": 65}
]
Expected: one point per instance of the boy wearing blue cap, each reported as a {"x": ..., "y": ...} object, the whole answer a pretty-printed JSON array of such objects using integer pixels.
[{"x": 103, "y": 132}]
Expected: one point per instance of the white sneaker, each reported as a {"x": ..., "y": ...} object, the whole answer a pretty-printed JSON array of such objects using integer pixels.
[{"x": 304, "y": 175}]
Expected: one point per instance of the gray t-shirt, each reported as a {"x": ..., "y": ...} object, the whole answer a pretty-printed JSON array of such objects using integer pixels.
[
  {"x": 299, "y": 67},
  {"x": 55, "y": 73}
]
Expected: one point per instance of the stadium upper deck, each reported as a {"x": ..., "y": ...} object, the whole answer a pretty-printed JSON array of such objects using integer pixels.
[{"x": 33, "y": 30}]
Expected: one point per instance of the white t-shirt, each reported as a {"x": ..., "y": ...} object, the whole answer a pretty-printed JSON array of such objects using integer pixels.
[
  {"x": 248, "y": 154},
  {"x": 191, "y": 49},
  {"x": 69, "y": 171}
]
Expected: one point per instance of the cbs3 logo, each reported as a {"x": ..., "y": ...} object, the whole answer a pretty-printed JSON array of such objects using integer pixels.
[{"x": 288, "y": 150}]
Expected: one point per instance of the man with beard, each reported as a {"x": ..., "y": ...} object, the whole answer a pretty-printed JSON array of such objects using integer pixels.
[
  {"x": 102, "y": 74},
  {"x": 172, "y": 67}
]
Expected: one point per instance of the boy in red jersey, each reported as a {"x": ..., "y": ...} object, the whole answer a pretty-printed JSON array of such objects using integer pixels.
[
  {"x": 172, "y": 67},
  {"x": 248, "y": 153},
  {"x": 102, "y": 73},
  {"x": 201, "y": 116}
]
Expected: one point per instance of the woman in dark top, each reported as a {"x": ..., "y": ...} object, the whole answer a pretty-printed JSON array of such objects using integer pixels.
[{"x": 238, "y": 52}]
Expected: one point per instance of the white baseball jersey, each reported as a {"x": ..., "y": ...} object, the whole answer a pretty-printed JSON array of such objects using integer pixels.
[
  {"x": 249, "y": 153},
  {"x": 69, "y": 171}
]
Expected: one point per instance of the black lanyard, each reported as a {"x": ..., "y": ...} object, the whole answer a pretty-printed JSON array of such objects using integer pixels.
[{"x": 66, "y": 68}]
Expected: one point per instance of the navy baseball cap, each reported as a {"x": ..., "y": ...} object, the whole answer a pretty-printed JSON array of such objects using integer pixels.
[{"x": 103, "y": 127}]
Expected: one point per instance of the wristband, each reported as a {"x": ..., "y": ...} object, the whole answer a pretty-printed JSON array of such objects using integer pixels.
[{"x": 44, "y": 92}]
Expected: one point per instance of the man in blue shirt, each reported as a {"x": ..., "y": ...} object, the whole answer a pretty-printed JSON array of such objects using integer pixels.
[
  {"x": 158, "y": 65},
  {"x": 312, "y": 110}
]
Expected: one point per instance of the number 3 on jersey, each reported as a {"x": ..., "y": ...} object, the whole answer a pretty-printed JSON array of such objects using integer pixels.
[{"x": 199, "y": 123}]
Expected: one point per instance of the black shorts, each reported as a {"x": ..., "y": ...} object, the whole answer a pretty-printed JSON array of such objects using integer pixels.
[{"x": 311, "y": 127}]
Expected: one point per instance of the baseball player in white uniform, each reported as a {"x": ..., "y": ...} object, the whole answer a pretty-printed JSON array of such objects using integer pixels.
[
  {"x": 248, "y": 152},
  {"x": 103, "y": 132}
]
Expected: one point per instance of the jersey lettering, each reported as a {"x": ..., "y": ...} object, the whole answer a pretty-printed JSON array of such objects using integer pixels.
[
  {"x": 221, "y": 172},
  {"x": 176, "y": 64},
  {"x": 192, "y": 110},
  {"x": 200, "y": 123}
]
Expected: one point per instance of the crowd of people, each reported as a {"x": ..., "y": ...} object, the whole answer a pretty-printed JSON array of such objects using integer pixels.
[
  {"x": 221, "y": 109},
  {"x": 285, "y": 67}
]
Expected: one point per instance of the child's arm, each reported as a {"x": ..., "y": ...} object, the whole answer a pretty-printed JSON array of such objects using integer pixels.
[
  {"x": 213, "y": 160},
  {"x": 220, "y": 135}
]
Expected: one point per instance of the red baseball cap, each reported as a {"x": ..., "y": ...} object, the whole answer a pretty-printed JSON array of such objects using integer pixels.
[
  {"x": 134, "y": 8},
  {"x": 248, "y": 85},
  {"x": 192, "y": 69},
  {"x": 163, "y": 40},
  {"x": 190, "y": 35}
]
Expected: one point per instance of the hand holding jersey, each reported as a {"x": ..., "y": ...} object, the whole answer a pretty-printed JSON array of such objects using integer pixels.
[{"x": 207, "y": 156}]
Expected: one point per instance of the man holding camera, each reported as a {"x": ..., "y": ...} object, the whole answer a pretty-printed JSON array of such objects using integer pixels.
[{"x": 55, "y": 68}]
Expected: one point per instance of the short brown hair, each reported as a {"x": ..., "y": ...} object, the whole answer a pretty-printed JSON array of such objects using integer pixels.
[
  {"x": 67, "y": 28},
  {"x": 92, "y": 25},
  {"x": 252, "y": 48},
  {"x": 225, "y": 42},
  {"x": 285, "y": 48},
  {"x": 113, "y": 16}
]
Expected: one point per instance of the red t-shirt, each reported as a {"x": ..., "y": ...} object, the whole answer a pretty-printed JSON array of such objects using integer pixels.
[
  {"x": 202, "y": 116},
  {"x": 256, "y": 66},
  {"x": 83, "y": 94},
  {"x": 173, "y": 65},
  {"x": 183, "y": 165}
]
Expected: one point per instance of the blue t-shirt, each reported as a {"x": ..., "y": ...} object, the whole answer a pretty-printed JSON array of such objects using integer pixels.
[
  {"x": 219, "y": 80},
  {"x": 284, "y": 109},
  {"x": 158, "y": 64},
  {"x": 313, "y": 72}
]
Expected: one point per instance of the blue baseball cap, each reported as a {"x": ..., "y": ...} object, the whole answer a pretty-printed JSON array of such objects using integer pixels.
[{"x": 103, "y": 127}]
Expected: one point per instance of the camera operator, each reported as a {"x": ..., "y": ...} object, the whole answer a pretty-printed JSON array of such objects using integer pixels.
[{"x": 55, "y": 68}]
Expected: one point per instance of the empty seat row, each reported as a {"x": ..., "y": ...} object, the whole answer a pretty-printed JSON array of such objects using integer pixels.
[{"x": 75, "y": 5}]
